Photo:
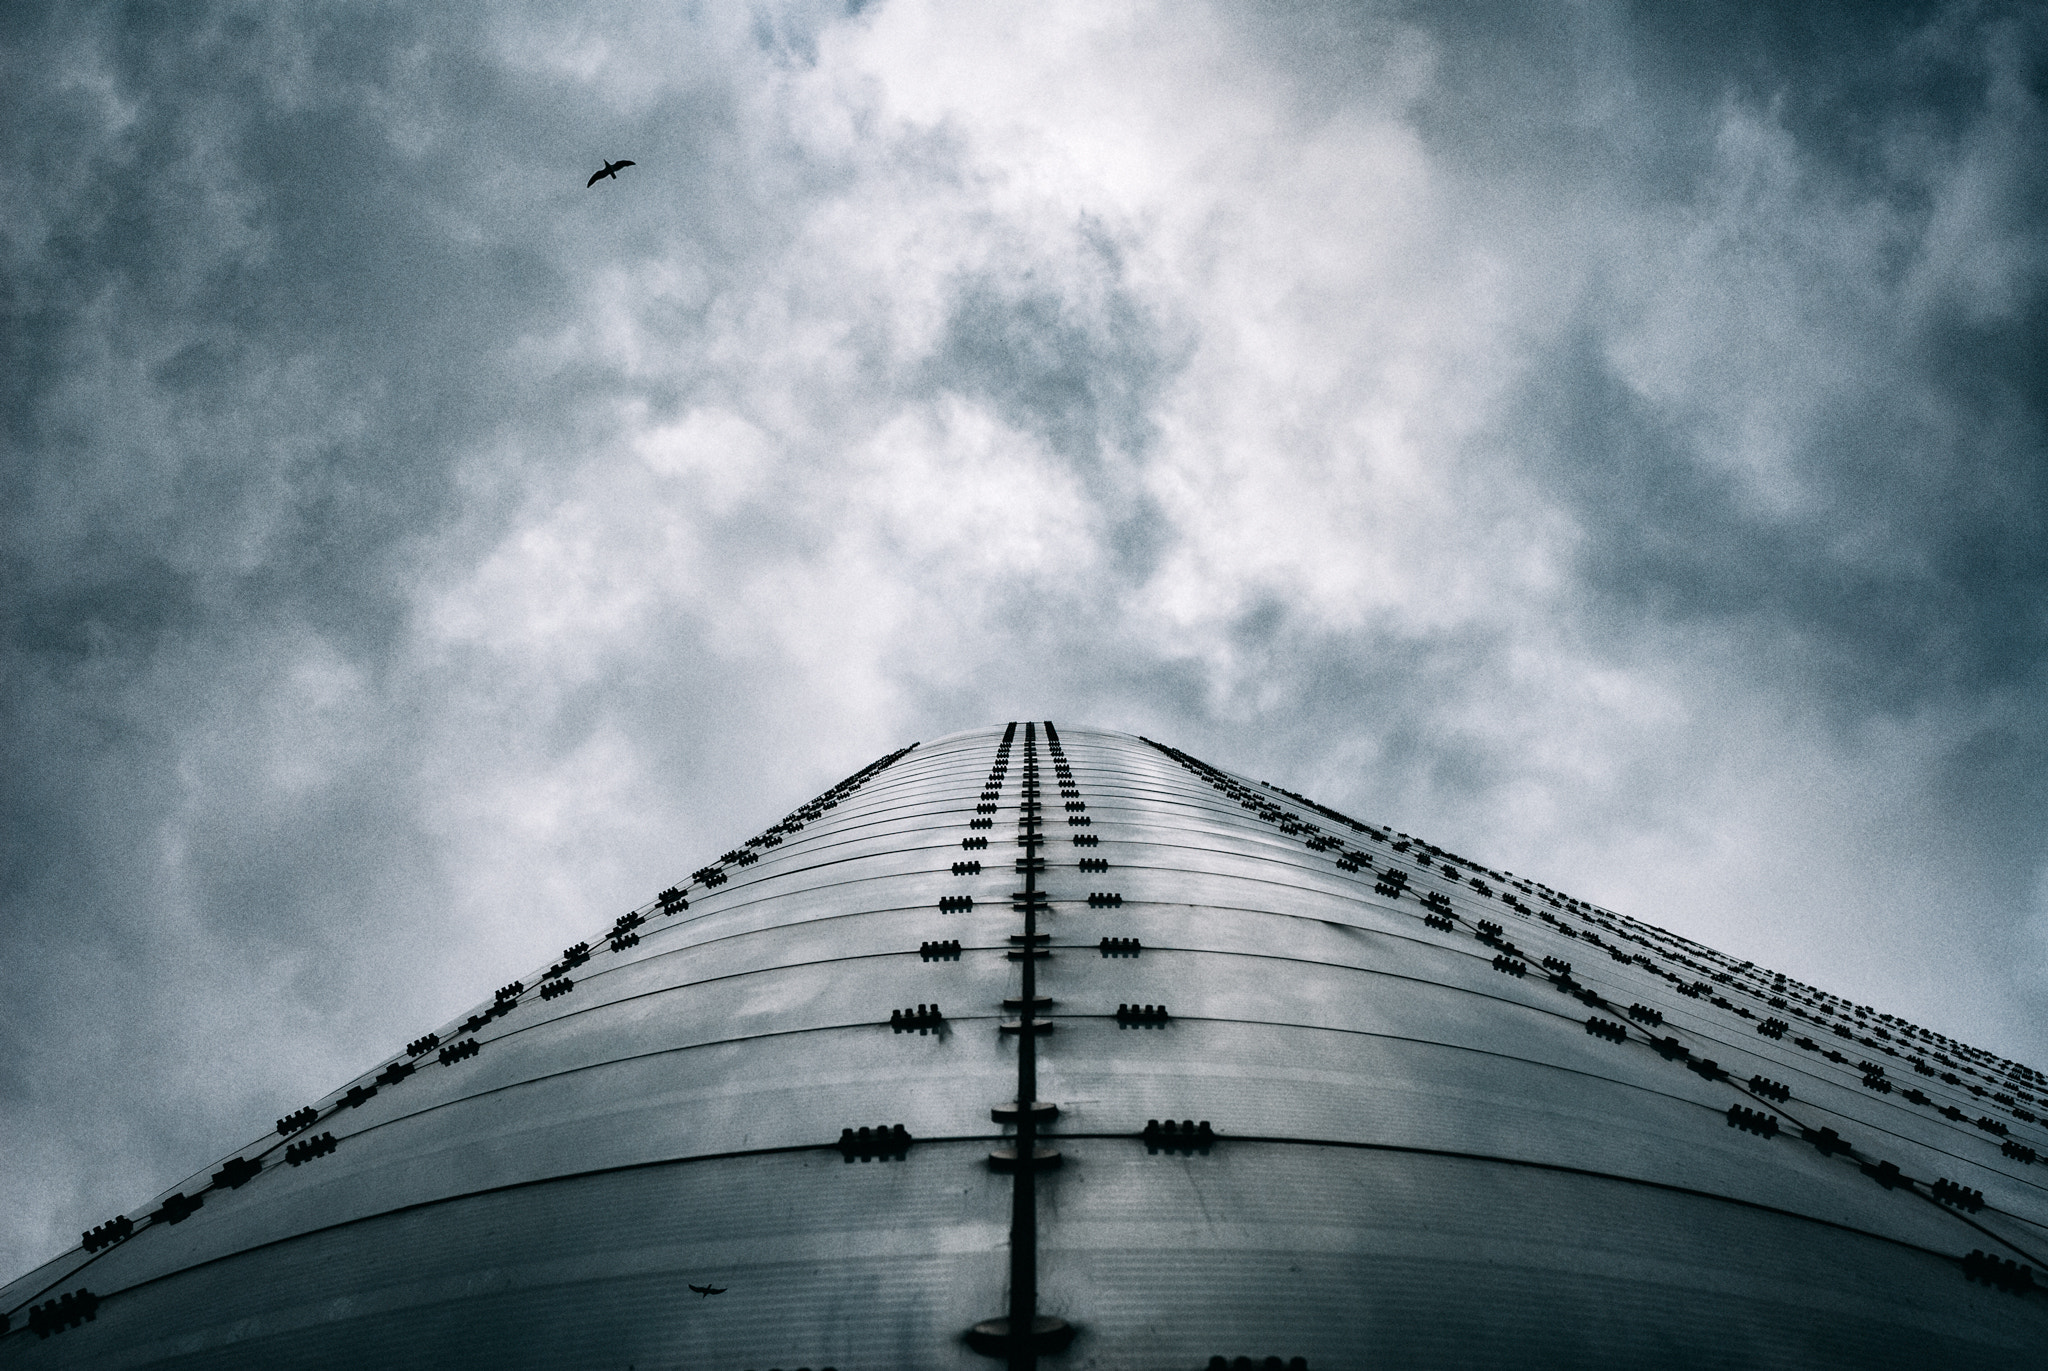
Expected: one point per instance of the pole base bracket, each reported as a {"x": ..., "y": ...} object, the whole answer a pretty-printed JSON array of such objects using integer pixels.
[
  {"x": 992, "y": 1336},
  {"x": 1043, "y": 1158}
]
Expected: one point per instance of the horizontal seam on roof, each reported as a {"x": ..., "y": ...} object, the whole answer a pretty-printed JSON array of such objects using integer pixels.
[
  {"x": 1360, "y": 899},
  {"x": 1395, "y": 933},
  {"x": 740, "y": 1155},
  {"x": 1561, "y": 1167},
  {"x": 892, "y": 875},
  {"x": 1741, "y": 1046},
  {"x": 1547, "y": 1066},
  {"x": 865, "y": 1024},
  {"x": 793, "y": 842},
  {"x": 870, "y": 1024}
]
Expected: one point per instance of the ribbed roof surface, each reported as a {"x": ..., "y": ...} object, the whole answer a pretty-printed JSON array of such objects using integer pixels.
[{"x": 1454, "y": 1118}]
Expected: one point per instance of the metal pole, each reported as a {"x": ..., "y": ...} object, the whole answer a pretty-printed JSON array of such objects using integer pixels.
[{"x": 1024, "y": 1197}]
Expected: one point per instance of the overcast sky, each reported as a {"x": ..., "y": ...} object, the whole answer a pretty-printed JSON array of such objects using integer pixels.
[{"x": 1610, "y": 441}]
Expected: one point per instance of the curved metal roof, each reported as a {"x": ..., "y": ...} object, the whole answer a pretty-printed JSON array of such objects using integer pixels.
[{"x": 1435, "y": 1115}]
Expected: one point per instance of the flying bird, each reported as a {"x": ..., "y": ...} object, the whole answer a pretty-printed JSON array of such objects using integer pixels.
[
  {"x": 611, "y": 169},
  {"x": 709, "y": 1290}
]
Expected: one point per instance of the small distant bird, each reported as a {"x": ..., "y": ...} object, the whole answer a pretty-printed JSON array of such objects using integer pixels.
[
  {"x": 611, "y": 169},
  {"x": 706, "y": 1290}
]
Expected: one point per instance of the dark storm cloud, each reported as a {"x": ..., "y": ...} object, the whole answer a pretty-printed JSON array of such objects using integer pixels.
[
  {"x": 1079, "y": 384},
  {"x": 1610, "y": 443},
  {"x": 260, "y": 276},
  {"x": 1916, "y": 558},
  {"x": 1080, "y": 362},
  {"x": 1890, "y": 562},
  {"x": 230, "y": 320},
  {"x": 1899, "y": 573}
]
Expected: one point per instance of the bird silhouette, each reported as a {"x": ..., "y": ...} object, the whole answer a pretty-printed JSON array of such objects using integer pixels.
[
  {"x": 611, "y": 169},
  {"x": 709, "y": 1290}
]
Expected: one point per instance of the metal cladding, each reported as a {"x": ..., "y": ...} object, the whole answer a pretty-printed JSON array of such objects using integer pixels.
[{"x": 1406, "y": 1111}]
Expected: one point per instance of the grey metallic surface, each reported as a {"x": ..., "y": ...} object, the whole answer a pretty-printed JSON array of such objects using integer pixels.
[{"x": 1419, "y": 1160}]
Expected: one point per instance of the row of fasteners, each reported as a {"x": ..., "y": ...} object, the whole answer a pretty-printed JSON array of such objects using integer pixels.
[
  {"x": 1769, "y": 1089},
  {"x": 884, "y": 1140},
  {"x": 1185, "y": 1136},
  {"x": 1996, "y": 1271},
  {"x": 66, "y": 1311},
  {"x": 1873, "y": 1078},
  {"x": 237, "y": 1171},
  {"x": 945, "y": 950},
  {"x": 298, "y": 1121},
  {"x": 1142, "y": 1014},
  {"x": 117, "y": 1229},
  {"x": 306, "y": 1149},
  {"x": 919, "y": 1017},
  {"x": 712, "y": 876},
  {"x": 1752, "y": 1121},
  {"x": 1978, "y": 1266},
  {"x": 1873, "y": 1075}
]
